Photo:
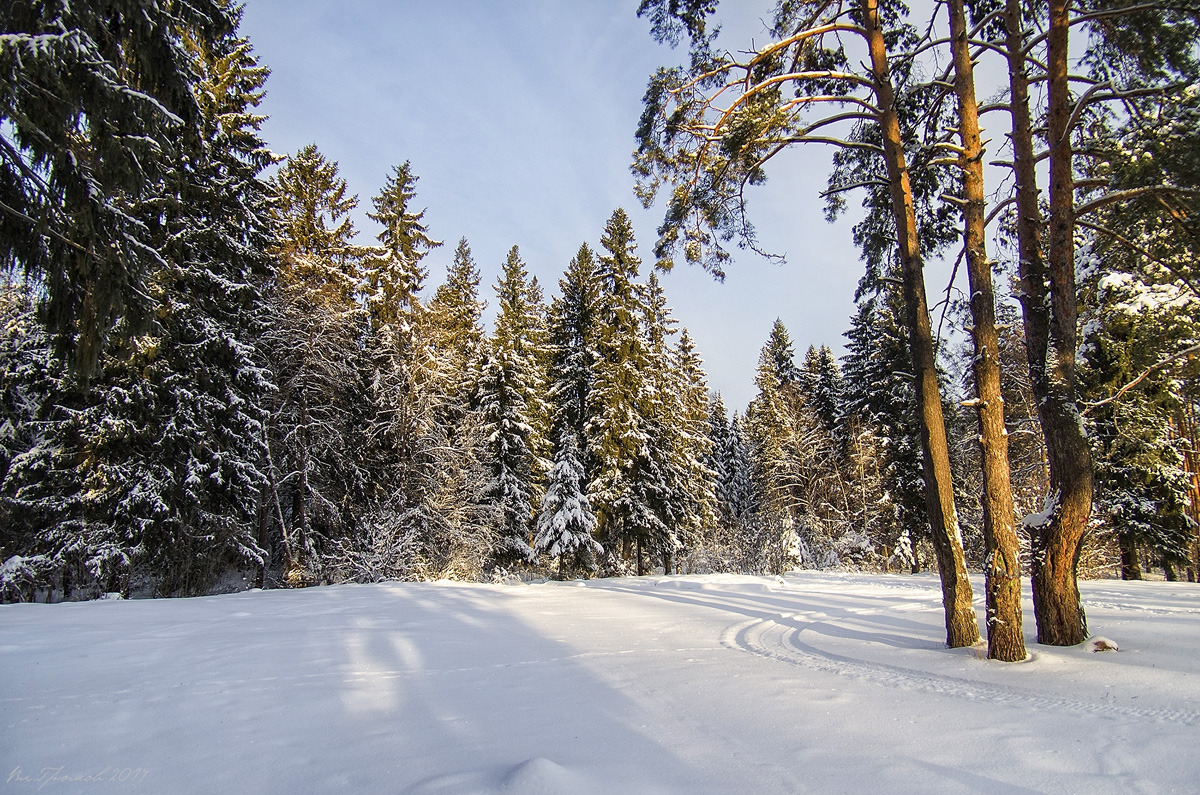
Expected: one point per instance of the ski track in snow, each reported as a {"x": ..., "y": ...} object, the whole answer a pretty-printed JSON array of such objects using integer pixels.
[{"x": 772, "y": 639}]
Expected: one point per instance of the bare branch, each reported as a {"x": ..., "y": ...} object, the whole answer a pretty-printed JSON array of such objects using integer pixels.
[
  {"x": 998, "y": 209},
  {"x": 1133, "y": 193},
  {"x": 866, "y": 183},
  {"x": 783, "y": 44},
  {"x": 1149, "y": 371}
]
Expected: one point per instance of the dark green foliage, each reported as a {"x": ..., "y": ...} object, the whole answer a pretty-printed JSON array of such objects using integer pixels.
[
  {"x": 156, "y": 467},
  {"x": 627, "y": 484},
  {"x": 314, "y": 347},
  {"x": 1138, "y": 395},
  {"x": 671, "y": 19},
  {"x": 879, "y": 391},
  {"x": 98, "y": 110},
  {"x": 566, "y": 522},
  {"x": 572, "y": 328}
]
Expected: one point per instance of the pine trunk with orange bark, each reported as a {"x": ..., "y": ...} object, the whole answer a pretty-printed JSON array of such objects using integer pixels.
[
  {"x": 961, "y": 626},
  {"x": 1002, "y": 570}
]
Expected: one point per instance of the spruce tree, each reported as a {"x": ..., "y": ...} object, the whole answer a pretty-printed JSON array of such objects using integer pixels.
[
  {"x": 566, "y": 522},
  {"x": 96, "y": 111},
  {"x": 625, "y": 481},
  {"x": 511, "y": 400},
  {"x": 879, "y": 392},
  {"x": 769, "y": 431},
  {"x": 314, "y": 347},
  {"x": 693, "y": 481},
  {"x": 712, "y": 128},
  {"x": 394, "y": 275},
  {"x": 166, "y": 446},
  {"x": 1138, "y": 394},
  {"x": 198, "y": 372},
  {"x": 718, "y": 442},
  {"x": 571, "y": 328},
  {"x": 783, "y": 354},
  {"x": 455, "y": 316},
  {"x": 741, "y": 498}
]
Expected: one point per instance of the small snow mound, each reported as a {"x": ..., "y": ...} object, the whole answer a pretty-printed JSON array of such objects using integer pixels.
[
  {"x": 540, "y": 776},
  {"x": 1102, "y": 644}
]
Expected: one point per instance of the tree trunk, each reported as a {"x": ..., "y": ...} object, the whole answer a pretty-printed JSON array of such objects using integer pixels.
[
  {"x": 1131, "y": 569},
  {"x": 1060, "y": 617},
  {"x": 1169, "y": 571},
  {"x": 1185, "y": 420},
  {"x": 961, "y": 627},
  {"x": 1049, "y": 310},
  {"x": 1002, "y": 567}
]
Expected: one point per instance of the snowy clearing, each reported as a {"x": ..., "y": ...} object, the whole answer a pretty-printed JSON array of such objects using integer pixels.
[{"x": 815, "y": 682}]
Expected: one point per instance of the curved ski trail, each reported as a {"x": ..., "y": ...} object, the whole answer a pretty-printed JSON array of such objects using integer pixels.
[{"x": 769, "y": 638}]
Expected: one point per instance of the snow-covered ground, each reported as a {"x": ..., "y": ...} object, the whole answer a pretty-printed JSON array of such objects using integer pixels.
[{"x": 816, "y": 682}]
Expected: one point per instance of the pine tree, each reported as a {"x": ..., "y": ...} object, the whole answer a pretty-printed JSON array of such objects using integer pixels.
[{"x": 712, "y": 128}]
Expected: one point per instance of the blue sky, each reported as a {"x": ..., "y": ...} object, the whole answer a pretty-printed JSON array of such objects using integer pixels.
[{"x": 518, "y": 118}]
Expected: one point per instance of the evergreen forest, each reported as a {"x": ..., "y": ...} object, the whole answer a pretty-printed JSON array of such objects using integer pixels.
[{"x": 207, "y": 376}]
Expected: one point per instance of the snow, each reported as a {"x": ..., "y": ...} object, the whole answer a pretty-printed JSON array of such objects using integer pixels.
[{"x": 719, "y": 683}]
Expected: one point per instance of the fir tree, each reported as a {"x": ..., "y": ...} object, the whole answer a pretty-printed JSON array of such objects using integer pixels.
[
  {"x": 878, "y": 390},
  {"x": 769, "y": 429},
  {"x": 737, "y": 486},
  {"x": 1142, "y": 482},
  {"x": 824, "y": 385},
  {"x": 718, "y": 442},
  {"x": 456, "y": 313},
  {"x": 315, "y": 234},
  {"x": 782, "y": 354},
  {"x": 692, "y": 481},
  {"x": 199, "y": 368},
  {"x": 166, "y": 447}
]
